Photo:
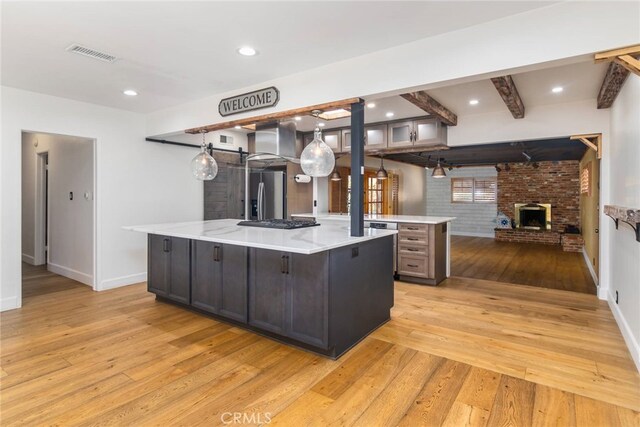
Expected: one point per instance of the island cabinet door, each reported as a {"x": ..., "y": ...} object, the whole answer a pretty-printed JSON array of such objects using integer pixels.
[
  {"x": 267, "y": 289},
  {"x": 169, "y": 267},
  {"x": 219, "y": 279},
  {"x": 308, "y": 298}
]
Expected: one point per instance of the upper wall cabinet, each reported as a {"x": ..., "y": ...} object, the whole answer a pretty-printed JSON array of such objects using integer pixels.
[
  {"x": 333, "y": 138},
  {"x": 429, "y": 132},
  {"x": 400, "y": 134},
  {"x": 375, "y": 138},
  {"x": 423, "y": 132}
]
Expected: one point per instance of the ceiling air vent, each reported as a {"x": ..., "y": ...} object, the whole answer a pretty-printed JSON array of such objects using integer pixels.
[{"x": 91, "y": 53}]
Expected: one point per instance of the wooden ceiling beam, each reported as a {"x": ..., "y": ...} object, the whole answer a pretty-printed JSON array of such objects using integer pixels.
[
  {"x": 591, "y": 140},
  {"x": 266, "y": 118},
  {"x": 626, "y": 57},
  {"x": 611, "y": 84},
  {"x": 427, "y": 103},
  {"x": 629, "y": 62},
  {"x": 610, "y": 55},
  {"x": 509, "y": 93}
]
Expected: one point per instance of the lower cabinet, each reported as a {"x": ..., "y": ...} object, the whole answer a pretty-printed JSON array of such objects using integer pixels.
[
  {"x": 422, "y": 253},
  {"x": 219, "y": 279},
  {"x": 289, "y": 295},
  {"x": 169, "y": 273}
]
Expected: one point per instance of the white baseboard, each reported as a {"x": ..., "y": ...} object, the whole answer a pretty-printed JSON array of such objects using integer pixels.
[
  {"x": 122, "y": 281},
  {"x": 28, "y": 259},
  {"x": 71, "y": 273},
  {"x": 627, "y": 333},
  {"x": 594, "y": 276},
  {"x": 9, "y": 303},
  {"x": 471, "y": 234}
]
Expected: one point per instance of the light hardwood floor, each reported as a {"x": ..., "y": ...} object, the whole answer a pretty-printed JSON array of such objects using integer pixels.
[
  {"x": 532, "y": 264},
  {"x": 469, "y": 352}
]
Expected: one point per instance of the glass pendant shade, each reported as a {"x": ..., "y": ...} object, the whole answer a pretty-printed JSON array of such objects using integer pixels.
[
  {"x": 317, "y": 159},
  {"x": 438, "y": 172},
  {"x": 204, "y": 166}
]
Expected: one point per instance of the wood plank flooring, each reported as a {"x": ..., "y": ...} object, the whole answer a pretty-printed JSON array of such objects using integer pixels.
[
  {"x": 469, "y": 352},
  {"x": 532, "y": 264}
]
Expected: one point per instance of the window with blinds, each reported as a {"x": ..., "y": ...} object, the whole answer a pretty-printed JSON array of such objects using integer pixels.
[{"x": 473, "y": 190}]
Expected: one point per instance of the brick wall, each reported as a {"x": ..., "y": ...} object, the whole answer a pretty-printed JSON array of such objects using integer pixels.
[
  {"x": 556, "y": 183},
  {"x": 528, "y": 236}
]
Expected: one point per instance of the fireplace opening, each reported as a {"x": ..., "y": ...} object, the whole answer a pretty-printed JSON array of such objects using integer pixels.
[{"x": 533, "y": 216}]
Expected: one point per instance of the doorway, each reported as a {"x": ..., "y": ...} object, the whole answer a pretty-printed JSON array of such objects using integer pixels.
[{"x": 58, "y": 207}]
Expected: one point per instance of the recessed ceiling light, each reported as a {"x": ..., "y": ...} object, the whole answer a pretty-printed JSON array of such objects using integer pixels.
[
  {"x": 247, "y": 51},
  {"x": 130, "y": 92},
  {"x": 371, "y": 104},
  {"x": 389, "y": 114},
  {"x": 473, "y": 102},
  {"x": 557, "y": 89},
  {"x": 237, "y": 127},
  {"x": 297, "y": 118},
  {"x": 321, "y": 125}
]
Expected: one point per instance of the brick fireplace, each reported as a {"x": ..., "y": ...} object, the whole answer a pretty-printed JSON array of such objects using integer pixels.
[{"x": 543, "y": 201}]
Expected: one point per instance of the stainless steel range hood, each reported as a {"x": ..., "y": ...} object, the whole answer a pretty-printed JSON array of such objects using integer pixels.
[{"x": 276, "y": 138}]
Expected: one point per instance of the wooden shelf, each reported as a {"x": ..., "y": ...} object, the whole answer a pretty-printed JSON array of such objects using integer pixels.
[{"x": 628, "y": 215}]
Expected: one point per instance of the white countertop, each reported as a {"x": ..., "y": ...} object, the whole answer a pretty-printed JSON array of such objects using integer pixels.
[
  {"x": 417, "y": 219},
  {"x": 306, "y": 241}
]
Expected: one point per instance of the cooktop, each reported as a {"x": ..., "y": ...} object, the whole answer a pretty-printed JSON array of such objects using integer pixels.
[{"x": 283, "y": 224}]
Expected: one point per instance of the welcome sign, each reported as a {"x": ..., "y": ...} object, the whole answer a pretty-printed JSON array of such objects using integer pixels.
[{"x": 263, "y": 98}]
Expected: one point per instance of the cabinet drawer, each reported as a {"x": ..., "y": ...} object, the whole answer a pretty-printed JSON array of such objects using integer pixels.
[
  {"x": 413, "y": 228},
  {"x": 412, "y": 250},
  {"x": 413, "y": 239},
  {"x": 413, "y": 266}
]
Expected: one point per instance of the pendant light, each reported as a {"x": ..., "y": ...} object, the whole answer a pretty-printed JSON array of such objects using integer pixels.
[
  {"x": 382, "y": 173},
  {"x": 335, "y": 176},
  {"x": 204, "y": 166},
  {"x": 438, "y": 171},
  {"x": 317, "y": 158}
]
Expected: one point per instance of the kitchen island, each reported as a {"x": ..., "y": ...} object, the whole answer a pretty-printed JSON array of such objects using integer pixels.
[
  {"x": 318, "y": 288},
  {"x": 422, "y": 248}
]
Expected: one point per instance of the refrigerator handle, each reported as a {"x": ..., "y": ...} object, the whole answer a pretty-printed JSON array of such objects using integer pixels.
[{"x": 261, "y": 201}]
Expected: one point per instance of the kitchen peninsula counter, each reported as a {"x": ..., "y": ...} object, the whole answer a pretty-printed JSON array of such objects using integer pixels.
[
  {"x": 317, "y": 287},
  {"x": 423, "y": 244}
]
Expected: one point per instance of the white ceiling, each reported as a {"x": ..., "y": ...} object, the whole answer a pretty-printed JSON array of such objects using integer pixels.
[
  {"x": 174, "y": 52},
  {"x": 579, "y": 81}
]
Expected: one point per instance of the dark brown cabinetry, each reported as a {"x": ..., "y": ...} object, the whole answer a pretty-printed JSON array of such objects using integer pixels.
[
  {"x": 168, "y": 269},
  {"x": 289, "y": 294},
  {"x": 219, "y": 279}
]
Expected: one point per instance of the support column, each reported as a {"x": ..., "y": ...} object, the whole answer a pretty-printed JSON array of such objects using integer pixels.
[{"x": 357, "y": 169}]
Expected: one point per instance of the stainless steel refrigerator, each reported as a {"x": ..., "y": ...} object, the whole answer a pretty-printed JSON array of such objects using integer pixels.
[{"x": 268, "y": 194}]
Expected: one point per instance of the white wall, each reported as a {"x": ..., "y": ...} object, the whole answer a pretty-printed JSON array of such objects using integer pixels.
[
  {"x": 137, "y": 182},
  {"x": 412, "y": 183},
  {"x": 472, "y": 219},
  {"x": 624, "y": 190},
  {"x": 71, "y": 234},
  {"x": 239, "y": 139}
]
